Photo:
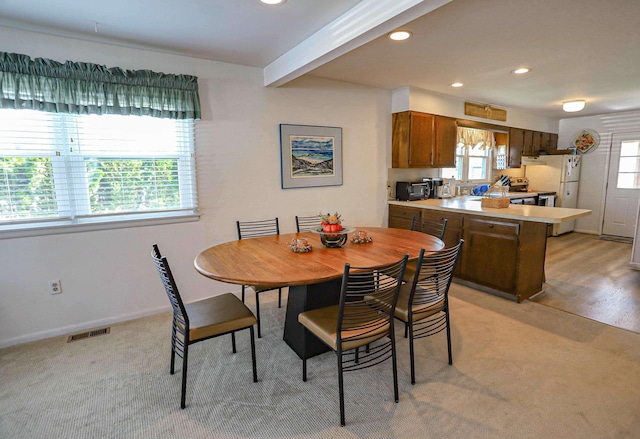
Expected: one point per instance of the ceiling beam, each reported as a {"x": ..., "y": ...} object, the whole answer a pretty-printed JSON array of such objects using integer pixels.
[{"x": 365, "y": 22}]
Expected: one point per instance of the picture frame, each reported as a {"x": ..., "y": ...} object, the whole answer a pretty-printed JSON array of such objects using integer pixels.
[{"x": 311, "y": 156}]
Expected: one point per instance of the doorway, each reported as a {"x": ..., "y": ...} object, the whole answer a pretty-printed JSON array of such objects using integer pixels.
[{"x": 623, "y": 186}]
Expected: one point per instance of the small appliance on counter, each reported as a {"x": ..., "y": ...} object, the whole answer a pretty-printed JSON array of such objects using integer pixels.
[
  {"x": 436, "y": 187},
  {"x": 410, "y": 191}
]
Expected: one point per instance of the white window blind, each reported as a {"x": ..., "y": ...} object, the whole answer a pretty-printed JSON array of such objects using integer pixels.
[{"x": 73, "y": 169}]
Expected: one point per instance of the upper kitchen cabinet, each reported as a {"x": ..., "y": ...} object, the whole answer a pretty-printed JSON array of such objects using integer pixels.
[
  {"x": 516, "y": 147},
  {"x": 421, "y": 140}
]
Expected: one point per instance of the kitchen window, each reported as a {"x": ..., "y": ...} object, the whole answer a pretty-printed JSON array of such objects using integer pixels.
[
  {"x": 473, "y": 156},
  {"x": 69, "y": 169}
]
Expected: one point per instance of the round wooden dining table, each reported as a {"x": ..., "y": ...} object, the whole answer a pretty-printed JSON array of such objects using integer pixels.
[{"x": 314, "y": 278}]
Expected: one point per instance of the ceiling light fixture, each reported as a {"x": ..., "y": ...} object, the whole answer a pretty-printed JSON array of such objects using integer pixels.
[
  {"x": 273, "y": 2},
  {"x": 521, "y": 70},
  {"x": 573, "y": 106},
  {"x": 457, "y": 84},
  {"x": 400, "y": 35}
]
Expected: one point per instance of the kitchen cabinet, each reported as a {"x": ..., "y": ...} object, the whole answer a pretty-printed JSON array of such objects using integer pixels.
[
  {"x": 516, "y": 146},
  {"x": 492, "y": 253},
  {"x": 400, "y": 216},
  {"x": 527, "y": 143},
  {"x": 422, "y": 140},
  {"x": 502, "y": 256}
]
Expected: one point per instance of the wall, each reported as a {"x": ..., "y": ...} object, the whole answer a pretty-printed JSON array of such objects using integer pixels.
[
  {"x": 594, "y": 168},
  {"x": 107, "y": 276}
]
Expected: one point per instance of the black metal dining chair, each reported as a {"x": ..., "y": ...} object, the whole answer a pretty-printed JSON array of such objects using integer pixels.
[
  {"x": 306, "y": 223},
  {"x": 363, "y": 317},
  {"x": 256, "y": 229},
  {"x": 423, "y": 304},
  {"x": 201, "y": 320},
  {"x": 430, "y": 227}
]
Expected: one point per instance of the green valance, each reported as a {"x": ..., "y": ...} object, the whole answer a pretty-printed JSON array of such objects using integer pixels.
[{"x": 85, "y": 88}]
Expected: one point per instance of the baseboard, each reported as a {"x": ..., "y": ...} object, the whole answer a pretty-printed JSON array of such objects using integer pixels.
[
  {"x": 634, "y": 265},
  {"x": 65, "y": 330}
]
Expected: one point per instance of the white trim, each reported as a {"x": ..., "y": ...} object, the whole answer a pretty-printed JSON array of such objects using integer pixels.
[
  {"x": 89, "y": 227},
  {"x": 65, "y": 330}
]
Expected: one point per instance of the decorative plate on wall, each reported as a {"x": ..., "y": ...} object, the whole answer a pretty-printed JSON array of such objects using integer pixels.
[{"x": 586, "y": 141}]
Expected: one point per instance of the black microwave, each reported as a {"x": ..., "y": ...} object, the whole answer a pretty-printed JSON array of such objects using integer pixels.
[{"x": 407, "y": 191}]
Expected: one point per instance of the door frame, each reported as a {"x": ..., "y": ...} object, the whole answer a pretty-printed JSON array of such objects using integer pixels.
[{"x": 608, "y": 172}]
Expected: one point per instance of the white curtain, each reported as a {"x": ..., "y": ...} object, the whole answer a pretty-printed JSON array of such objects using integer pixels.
[{"x": 471, "y": 137}]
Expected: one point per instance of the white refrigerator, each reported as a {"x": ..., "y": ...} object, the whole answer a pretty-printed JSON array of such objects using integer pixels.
[{"x": 559, "y": 174}]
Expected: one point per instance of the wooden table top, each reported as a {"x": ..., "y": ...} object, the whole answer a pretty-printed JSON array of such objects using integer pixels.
[{"x": 269, "y": 262}]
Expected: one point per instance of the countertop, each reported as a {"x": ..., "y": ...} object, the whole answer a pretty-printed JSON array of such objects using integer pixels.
[{"x": 471, "y": 205}]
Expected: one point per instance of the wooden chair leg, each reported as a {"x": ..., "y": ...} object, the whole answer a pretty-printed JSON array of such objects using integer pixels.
[{"x": 243, "y": 293}]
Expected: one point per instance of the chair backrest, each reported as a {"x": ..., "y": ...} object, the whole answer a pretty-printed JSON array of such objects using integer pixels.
[
  {"x": 161, "y": 263},
  {"x": 367, "y": 300},
  {"x": 306, "y": 223},
  {"x": 433, "y": 276},
  {"x": 255, "y": 229},
  {"x": 431, "y": 227}
]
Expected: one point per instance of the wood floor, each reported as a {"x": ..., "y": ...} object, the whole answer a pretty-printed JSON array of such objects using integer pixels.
[{"x": 591, "y": 278}]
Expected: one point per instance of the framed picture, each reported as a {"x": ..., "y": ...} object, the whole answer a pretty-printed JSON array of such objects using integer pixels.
[{"x": 311, "y": 156}]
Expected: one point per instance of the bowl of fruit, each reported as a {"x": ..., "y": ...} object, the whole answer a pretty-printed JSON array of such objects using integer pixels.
[{"x": 332, "y": 233}]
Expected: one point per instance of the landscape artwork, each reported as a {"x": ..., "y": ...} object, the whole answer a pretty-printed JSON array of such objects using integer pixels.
[{"x": 310, "y": 156}]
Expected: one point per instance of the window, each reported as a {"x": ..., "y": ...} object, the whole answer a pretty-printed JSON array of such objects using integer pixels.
[
  {"x": 629, "y": 166},
  {"x": 471, "y": 164},
  {"x": 65, "y": 169},
  {"x": 473, "y": 155}
]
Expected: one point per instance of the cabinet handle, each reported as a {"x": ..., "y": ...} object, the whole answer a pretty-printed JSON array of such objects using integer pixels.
[{"x": 491, "y": 226}]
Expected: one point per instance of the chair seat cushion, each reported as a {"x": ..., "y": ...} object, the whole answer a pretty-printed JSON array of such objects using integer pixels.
[
  {"x": 323, "y": 323},
  {"x": 421, "y": 311},
  {"x": 410, "y": 272},
  {"x": 217, "y": 315}
]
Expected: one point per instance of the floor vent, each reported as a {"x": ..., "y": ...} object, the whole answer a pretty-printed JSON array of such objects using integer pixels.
[{"x": 88, "y": 334}]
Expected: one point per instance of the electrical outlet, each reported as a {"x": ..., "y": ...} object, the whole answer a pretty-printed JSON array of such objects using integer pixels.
[{"x": 55, "y": 287}]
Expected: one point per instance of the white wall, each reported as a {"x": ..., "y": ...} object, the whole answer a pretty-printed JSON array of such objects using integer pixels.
[
  {"x": 594, "y": 169},
  {"x": 416, "y": 99},
  {"x": 107, "y": 276}
]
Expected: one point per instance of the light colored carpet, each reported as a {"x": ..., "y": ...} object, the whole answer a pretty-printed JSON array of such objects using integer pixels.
[{"x": 520, "y": 371}]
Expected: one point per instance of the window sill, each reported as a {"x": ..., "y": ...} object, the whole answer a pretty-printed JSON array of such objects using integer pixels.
[{"x": 95, "y": 226}]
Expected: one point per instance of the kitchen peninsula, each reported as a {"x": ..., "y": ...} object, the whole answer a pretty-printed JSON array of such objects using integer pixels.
[{"x": 504, "y": 249}]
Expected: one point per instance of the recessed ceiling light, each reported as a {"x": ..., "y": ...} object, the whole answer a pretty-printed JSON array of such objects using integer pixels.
[
  {"x": 521, "y": 70},
  {"x": 573, "y": 106},
  {"x": 457, "y": 84},
  {"x": 273, "y": 2},
  {"x": 400, "y": 35}
]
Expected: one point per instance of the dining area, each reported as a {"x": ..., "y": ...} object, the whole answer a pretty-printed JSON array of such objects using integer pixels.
[{"x": 347, "y": 289}]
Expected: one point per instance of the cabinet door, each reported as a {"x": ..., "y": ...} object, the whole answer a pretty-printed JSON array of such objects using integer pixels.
[
  {"x": 516, "y": 143},
  {"x": 536, "y": 142},
  {"x": 412, "y": 140},
  {"x": 527, "y": 142},
  {"x": 553, "y": 141},
  {"x": 400, "y": 216},
  {"x": 445, "y": 145},
  {"x": 421, "y": 140},
  {"x": 491, "y": 253},
  {"x": 545, "y": 139}
]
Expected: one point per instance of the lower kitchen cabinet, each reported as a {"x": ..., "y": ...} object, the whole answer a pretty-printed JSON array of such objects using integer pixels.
[
  {"x": 400, "y": 216},
  {"x": 503, "y": 257}
]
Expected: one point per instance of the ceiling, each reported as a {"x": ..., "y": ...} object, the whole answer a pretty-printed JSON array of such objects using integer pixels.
[{"x": 577, "y": 49}]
